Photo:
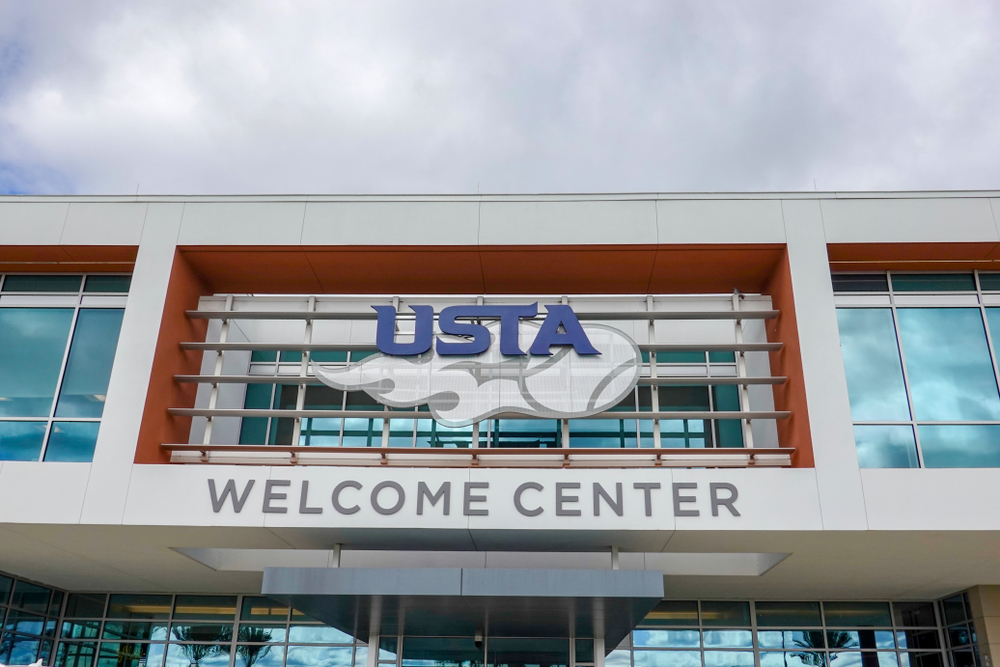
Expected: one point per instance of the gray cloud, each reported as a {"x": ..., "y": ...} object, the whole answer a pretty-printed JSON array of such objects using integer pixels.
[{"x": 194, "y": 97}]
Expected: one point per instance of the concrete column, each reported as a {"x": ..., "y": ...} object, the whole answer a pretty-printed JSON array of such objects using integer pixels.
[
  {"x": 598, "y": 651},
  {"x": 837, "y": 473},
  {"x": 116, "y": 442},
  {"x": 985, "y": 603}
]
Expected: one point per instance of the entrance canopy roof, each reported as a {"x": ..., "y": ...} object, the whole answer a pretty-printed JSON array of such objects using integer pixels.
[{"x": 461, "y": 602}]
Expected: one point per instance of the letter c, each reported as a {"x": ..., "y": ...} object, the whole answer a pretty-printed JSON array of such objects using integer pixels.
[
  {"x": 336, "y": 497},
  {"x": 517, "y": 499}
]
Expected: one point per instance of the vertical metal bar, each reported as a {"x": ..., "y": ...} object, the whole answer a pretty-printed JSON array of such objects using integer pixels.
[
  {"x": 654, "y": 390},
  {"x": 986, "y": 326},
  {"x": 300, "y": 396},
  {"x": 741, "y": 372},
  {"x": 213, "y": 398}
]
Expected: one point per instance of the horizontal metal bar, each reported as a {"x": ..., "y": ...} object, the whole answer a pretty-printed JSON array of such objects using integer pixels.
[
  {"x": 604, "y": 316},
  {"x": 491, "y": 451},
  {"x": 401, "y": 414},
  {"x": 681, "y": 381},
  {"x": 370, "y": 347}
]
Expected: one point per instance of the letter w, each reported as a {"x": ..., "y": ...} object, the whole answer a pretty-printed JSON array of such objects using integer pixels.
[{"x": 229, "y": 490}]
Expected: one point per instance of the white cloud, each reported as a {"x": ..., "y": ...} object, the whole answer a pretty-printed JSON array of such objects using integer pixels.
[{"x": 521, "y": 96}]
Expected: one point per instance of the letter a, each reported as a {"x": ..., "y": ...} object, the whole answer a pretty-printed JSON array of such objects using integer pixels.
[{"x": 549, "y": 335}]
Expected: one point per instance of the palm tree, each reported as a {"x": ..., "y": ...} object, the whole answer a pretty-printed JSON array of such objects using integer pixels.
[{"x": 251, "y": 653}]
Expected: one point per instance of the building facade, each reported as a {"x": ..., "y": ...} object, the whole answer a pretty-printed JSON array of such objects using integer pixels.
[{"x": 632, "y": 430}]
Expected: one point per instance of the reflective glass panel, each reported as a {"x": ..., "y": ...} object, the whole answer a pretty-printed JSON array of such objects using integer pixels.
[
  {"x": 933, "y": 282},
  {"x": 115, "y": 654},
  {"x": 77, "y": 654},
  {"x": 863, "y": 659},
  {"x": 201, "y": 632},
  {"x": 33, "y": 283},
  {"x": 251, "y": 655},
  {"x": 6, "y": 583},
  {"x": 791, "y": 639},
  {"x": 261, "y": 634},
  {"x": 32, "y": 345},
  {"x": 728, "y": 432},
  {"x": 729, "y": 659},
  {"x": 921, "y": 659},
  {"x": 135, "y": 630},
  {"x": 262, "y": 609},
  {"x": 882, "y": 446},
  {"x": 856, "y": 614},
  {"x": 871, "y": 361},
  {"x": 19, "y": 650},
  {"x": 108, "y": 284},
  {"x": 728, "y": 639},
  {"x": 989, "y": 281},
  {"x": 88, "y": 370},
  {"x": 528, "y": 651},
  {"x": 139, "y": 606},
  {"x": 317, "y": 634},
  {"x": 725, "y": 613},
  {"x": 914, "y": 614},
  {"x": 960, "y": 446},
  {"x": 666, "y": 638},
  {"x": 207, "y": 607},
  {"x": 860, "y": 282},
  {"x": 604, "y": 433},
  {"x": 921, "y": 639},
  {"x": 584, "y": 650},
  {"x": 81, "y": 629},
  {"x": 618, "y": 659},
  {"x": 31, "y": 597},
  {"x": 865, "y": 639},
  {"x": 525, "y": 433},
  {"x": 21, "y": 441},
  {"x": 954, "y": 609},
  {"x": 958, "y": 635},
  {"x": 667, "y": 658},
  {"x": 29, "y": 624},
  {"x": 434, "y": 651},
  {"x": 792, "y": 659},
  {"x": 205, "y": 655},
  {"x": 948, "y": 362},
  {"x": 790, "y": 614},
  {"x": 432, "y": 434},
  {"x": 673, "y": 612},
  {"x": 72, "y": 441}
]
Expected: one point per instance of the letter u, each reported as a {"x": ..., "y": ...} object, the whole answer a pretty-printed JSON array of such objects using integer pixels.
[{"x": 385, "y": 334}]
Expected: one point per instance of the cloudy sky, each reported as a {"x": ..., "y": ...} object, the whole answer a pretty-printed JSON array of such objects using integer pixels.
[{"x": 537, "y": 96}]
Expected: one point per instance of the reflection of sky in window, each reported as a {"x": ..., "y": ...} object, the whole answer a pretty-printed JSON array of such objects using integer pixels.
[
  {"x": 792, "y": 659},
  {"x": 667, "y": 638},
  {"x": 32, "y": 343},
  {"x": 729, "y": 659},
  {"x": 88, "y": 369},
  {"x": 259, "y": 656},
  {"x": 617, "y": 659},
  {"x": 871, "y": 361},
  {"x": 667, "y": 658},
  {"x": 728, "y": 639},
  {"x": 885, "y": 446},
  {"x": 964, "y": 446},
  {"x": 318, "y": 656},
  {"x": 853, "y": 659},
  {"x": 948, "y": 362}
]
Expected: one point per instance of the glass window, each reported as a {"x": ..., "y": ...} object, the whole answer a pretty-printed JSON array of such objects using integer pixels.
[
  {"x": 249, "y": 655},
  {"x": 789, "y": 614},
  {"x": 76, "y": 654},
  {"x": 21, "y": 650},
  {"x": 860, "y": 282},
  {"x": 72, "y": 441},
  {"x": 6, "y": 583},
  {"x": 725, "y": 613},
  {"x": 31, "y": 597},
  {"x": 667, "y": 658},
  {"x": 85, "y": 606},
  {"x": 139, "y": 606},
  {"x": 857, "y": 614},
  {"x": 948, "y": 363},
  {"x": 319, "y": 634},
  {"x": 205, "y": 607},
  {"x": 871, "y": 362},
  {"x": 21, "y": 441},
  {"x": 728, "y": 432},
  {"x": 954, "y": 609},
  {"x": 88, "y": 370},
  {"x": 262, "y": 609},
  {"x": 933, "y": 282},
  {"x": 584, "y": 649},
  {"x": 729, "y": 659},
  {"x": 201, "y": 632},
  {"x": 33, "y": 283},
  {"x": 728, "y": 639},
  {"x": 791, "y": 639},
  {"x": 81, "y": 629},
  {"x": 960, "y": 446},
  {"x": 917, "y": 639},
  {"x": 135, "y": 630},
  {"x": 886, "y": 446},
  {"x": 108, "y": 284},
  {"x": 673, "y": 612},
  {"x": 32, "y": 345},
  {"x": 792, "y": 659},
  {"x": 666, "y": 638},
  {"x": 864, "y": 639},
  {"x": 914, "y": 614},
  {"x": 115, "y": 654},
  {"x": 989, "y": 281}
]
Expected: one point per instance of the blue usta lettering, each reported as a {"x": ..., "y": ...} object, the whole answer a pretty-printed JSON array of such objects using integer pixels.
[{"x": 561, "y": 328}]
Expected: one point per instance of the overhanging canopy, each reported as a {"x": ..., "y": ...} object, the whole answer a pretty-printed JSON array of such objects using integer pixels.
[{"x": 460, "y": 602}]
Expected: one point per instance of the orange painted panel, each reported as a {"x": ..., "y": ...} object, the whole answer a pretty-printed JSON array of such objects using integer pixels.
[
  {"x": 568, "y": 270},
  {"x": 706, "y": 269},
  {"x": 396, "y": 270},
  {"x": 158, "y": 426},
  {"x": 264, "y": 271},
  {"x": 914, "y": 256}
]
